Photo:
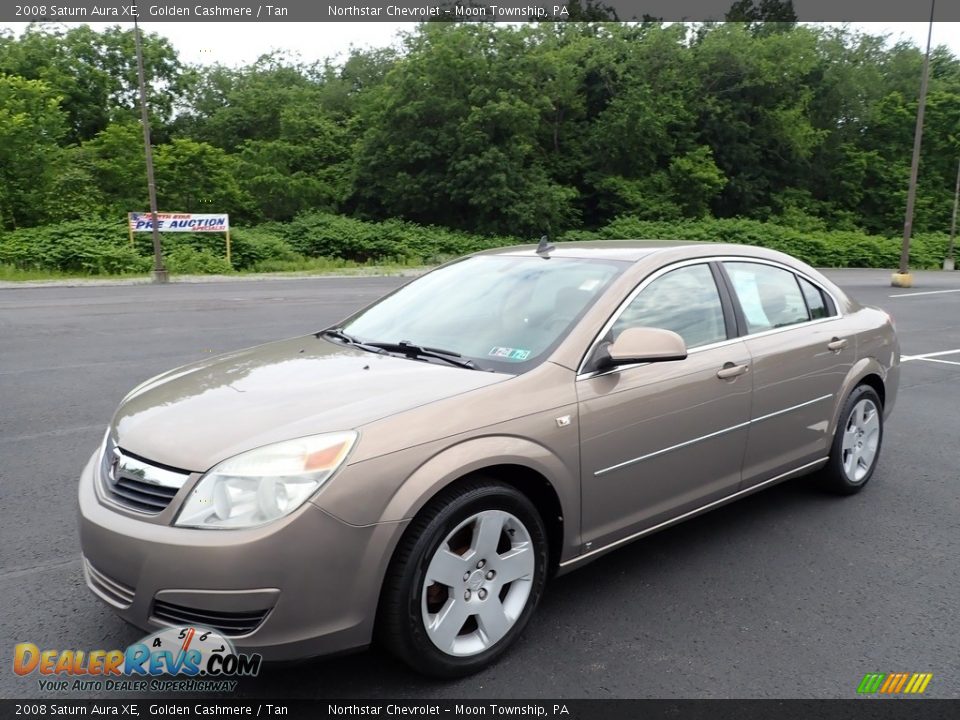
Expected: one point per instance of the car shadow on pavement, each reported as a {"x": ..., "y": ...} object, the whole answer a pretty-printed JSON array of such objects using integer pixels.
[{"x": 574, "y": 604}]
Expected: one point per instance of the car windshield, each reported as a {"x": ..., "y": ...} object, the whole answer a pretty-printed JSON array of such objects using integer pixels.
[{"x": 505, "y": 313}]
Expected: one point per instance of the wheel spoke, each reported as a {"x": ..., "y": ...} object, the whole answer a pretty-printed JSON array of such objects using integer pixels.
[
  {"x": 849, "y": 438},
  {"x": 516, "y": 564},
  {"x": 446, "y": 624},
  {"x": 486, "y": 534},
  {"x": 492, "y": 621},
  {"x": 872, "y": 423},
  {"x": 861, "y": 414},
  {"x": 446, "y": 568}
]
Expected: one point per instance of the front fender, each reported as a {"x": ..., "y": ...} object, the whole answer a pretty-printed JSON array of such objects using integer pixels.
[{"x": 387, "y": 493}]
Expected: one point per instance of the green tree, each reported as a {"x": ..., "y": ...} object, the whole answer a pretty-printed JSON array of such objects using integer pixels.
[
  {"x": 95, "y": 73},
  {"x": 451, "y": 136},
  {"x": 116, "y": 162},
  {"x": 305, "y": 168},
  {"x": 229, "y": 106},
  {"x": 754, "y": 113},
  {"x": 31, "y": 124},
  {"x": 197, "y": 177}
]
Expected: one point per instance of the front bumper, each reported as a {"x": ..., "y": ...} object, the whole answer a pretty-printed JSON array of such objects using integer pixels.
[{"x": 312, "y": 580}]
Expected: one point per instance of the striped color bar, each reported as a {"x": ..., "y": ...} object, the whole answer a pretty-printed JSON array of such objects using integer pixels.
[{"x": 894, "y": 683}]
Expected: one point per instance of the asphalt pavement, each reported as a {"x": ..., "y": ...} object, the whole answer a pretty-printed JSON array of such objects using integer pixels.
[{"x": 787, "y": 593}]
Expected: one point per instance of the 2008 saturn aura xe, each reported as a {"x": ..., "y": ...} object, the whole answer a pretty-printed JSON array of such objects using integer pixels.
[{"x": 415, "y": 473}]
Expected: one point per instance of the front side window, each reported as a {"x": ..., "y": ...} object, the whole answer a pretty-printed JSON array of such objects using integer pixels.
[
  {"x": 685, "y": 300},
  {"x": 503, "y": 312},
  {"x": 769, "y": 296}
]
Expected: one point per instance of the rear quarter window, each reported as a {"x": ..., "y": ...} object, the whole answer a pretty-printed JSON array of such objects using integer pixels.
[{"x": 817, "y": 301}]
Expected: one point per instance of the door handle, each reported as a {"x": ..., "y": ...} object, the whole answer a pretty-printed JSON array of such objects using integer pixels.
[
  {"x": 837, "y": 344},
  {"x": 729, "y": 370}
]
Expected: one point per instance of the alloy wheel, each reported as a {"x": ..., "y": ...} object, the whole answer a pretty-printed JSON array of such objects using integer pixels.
[
  {"x": 477, "y": 583},
  {"x": 861, "y": 438}
]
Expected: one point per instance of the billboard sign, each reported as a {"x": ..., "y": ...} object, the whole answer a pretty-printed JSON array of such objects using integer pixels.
[{"x": 179, "y": 222}]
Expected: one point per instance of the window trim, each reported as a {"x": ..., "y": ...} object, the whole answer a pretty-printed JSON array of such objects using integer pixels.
[{"x": 727, "y": 296}]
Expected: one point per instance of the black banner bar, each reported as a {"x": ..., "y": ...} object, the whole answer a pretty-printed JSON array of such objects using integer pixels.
[
  {"x": 206, "y": 708},
  {"x": 453, "y": 10}
]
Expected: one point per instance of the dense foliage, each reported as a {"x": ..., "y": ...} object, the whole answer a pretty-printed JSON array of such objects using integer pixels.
[
  {"x": 96, "y": 247},
  {"x": 466, "y": 133}
]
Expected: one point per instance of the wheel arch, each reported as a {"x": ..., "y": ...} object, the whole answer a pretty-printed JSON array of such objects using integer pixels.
[
  {"x": 529, "y": 467},
  {"x": 866, "y": 371}
]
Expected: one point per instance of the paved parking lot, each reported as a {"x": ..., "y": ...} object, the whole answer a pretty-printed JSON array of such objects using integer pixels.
[{"x": 788, "y": 593}]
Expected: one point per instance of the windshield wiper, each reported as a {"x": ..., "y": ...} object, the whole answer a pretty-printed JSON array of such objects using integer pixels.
[
  {"x": 406, "y": 348},
  {"x": 415, "y": 351},
  {"x": 339, "y": 334},
  {"x": 343, "y": 337}
]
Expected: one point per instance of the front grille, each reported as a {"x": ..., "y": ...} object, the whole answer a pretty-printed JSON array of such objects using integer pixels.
[
  {"x": 113, "y": 591},
  {"x": 140, "y": 495},
  {"x": 226, "y": 623},
  {"x": 137, "y": 483}
]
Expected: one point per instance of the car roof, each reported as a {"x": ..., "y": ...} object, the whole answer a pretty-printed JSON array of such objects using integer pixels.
[{"x": 625, "y": 250}]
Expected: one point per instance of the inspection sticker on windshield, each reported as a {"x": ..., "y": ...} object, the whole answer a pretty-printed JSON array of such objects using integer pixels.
[{"x": 509, "y": 353}]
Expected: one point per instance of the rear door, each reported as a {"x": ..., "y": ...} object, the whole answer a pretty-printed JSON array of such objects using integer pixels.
[{"x": 801, "y": 351}]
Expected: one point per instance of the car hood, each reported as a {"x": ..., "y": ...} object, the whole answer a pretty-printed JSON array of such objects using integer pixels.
[{"x": 197, "y": 415}]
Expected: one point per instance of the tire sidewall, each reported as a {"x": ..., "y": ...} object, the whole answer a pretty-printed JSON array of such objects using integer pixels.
[{"x": 490, "y": 497}]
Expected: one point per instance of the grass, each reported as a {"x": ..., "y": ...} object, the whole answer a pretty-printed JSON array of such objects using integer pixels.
[
  {"x": 305, "y": 267},
  {"x": 9, "y": 273}
]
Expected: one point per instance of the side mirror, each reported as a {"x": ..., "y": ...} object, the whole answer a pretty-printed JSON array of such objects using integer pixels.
[{"x": 642, "y": 344}]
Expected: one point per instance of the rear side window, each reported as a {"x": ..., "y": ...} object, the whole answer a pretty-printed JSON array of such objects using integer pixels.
[
  {"x": 816, "y": 302},
  {"x": 685, "y": 300},
  {"x": 769, "y": 296}
]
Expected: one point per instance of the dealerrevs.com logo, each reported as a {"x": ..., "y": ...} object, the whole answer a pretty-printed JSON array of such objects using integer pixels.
[{"x": 178, "y": 659}]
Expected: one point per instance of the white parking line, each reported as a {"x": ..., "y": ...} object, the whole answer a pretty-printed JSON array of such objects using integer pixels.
[
  {"x": 926, "y": 292},
  {"x": 924, "y": 356},
  {"x": 935, "y": 360}
]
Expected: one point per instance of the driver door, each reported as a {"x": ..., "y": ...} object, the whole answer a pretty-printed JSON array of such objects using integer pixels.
[{"x": 660, "y": 439}]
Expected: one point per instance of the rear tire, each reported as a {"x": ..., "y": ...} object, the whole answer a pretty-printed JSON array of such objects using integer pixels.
[
  {"x": 464, "y": 580},
  {"x": 856, "y": 443}
]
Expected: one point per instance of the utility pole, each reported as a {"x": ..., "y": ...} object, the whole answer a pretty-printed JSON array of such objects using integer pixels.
[
  {"x": 948, "y": 264},
  {"x": 903, "y": 278},
  {"x": 159, "y": 271}
]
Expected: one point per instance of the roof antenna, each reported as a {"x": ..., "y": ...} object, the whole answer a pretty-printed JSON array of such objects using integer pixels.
[{"x": 545, "y": 248}]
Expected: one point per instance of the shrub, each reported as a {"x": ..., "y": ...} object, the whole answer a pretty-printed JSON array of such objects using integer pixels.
[
  {"x": 248, "y": 246},
  {"x": 818, "y": 247},
  {"x": 320, "y": 240},
  {"x": 94, "y": 247},
  {"x": 327, "y": 235},
  {"x": 184, "y": 259}
]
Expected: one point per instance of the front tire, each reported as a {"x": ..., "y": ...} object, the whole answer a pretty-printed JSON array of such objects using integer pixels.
[
  {"x": 856, "y": 443},
  {"x": 464, "y": 580}
]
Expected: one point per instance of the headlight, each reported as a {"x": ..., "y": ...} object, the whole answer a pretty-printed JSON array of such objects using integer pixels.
[{"x": 261, "y": 485}]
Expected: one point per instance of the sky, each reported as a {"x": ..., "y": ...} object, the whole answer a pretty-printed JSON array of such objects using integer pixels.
[{"x": 238, "y": 43}]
